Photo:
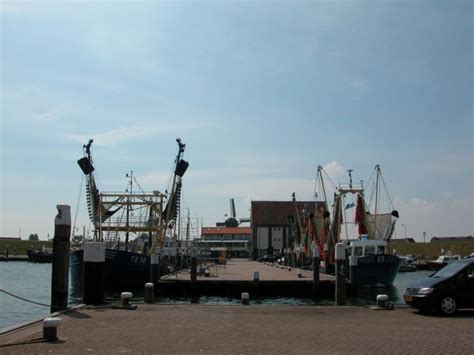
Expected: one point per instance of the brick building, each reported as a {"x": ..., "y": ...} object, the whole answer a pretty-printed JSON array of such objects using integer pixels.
[{"x": 274, "y": 225}]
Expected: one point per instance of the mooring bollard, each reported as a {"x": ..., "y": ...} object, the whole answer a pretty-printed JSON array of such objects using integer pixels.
[
  {"x": 382, "y": 301},
  {"x": 93, "y": 274},
  {"x": 299, "y": 273},
  {"x": 60, "y": 267},
  {"x": 245, "y": 298},
  {"x": 316, "y": 262},
  {"x": 340, "y": 277},
  {"x": 125, "y": 298},
  {"x": 149, "y": 293},
  {"x": 50, "y": 326}
]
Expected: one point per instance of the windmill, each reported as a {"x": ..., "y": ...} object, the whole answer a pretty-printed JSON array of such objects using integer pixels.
[{"x": 232, "y": 221}]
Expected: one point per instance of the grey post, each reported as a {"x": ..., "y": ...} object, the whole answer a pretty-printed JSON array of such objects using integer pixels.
[
  {"x": 316, "y": 262},
  {"x": 61, "y": 244},
  {"x": 340, "y": 277}
]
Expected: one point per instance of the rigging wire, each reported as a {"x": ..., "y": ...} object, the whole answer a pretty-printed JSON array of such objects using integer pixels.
[{"x": 77, "y": 205}]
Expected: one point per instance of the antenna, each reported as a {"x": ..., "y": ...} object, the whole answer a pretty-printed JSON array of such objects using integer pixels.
[{"x": 350, "y": 177}]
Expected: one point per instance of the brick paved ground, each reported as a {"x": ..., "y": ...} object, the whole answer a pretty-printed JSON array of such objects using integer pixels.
[{"x": 251, "y": 329}]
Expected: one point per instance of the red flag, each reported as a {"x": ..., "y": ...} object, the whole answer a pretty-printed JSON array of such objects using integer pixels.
[{"x": 359, "y": 215}]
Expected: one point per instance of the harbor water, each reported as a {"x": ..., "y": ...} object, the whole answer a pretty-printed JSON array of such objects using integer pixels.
[{"x": 32, "y": 282}]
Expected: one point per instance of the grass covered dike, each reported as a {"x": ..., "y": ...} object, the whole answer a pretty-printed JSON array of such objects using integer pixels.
[
  {"x": 421, "y": 250},
  {"x": 19, "y": 247}
]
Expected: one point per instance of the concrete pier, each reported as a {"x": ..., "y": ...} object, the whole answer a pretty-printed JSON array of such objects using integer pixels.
[
  {"x": 237, "y": 276},
  {"x": 246, "y": 330}
]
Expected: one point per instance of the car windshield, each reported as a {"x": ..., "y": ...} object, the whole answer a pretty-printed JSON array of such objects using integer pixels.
[{"x": 449, "y": 270}]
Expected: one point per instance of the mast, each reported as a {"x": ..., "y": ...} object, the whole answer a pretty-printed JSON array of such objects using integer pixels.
[
  {"x": 172, "y": 206},
  {"x": 127, "y": 222},
  {"x": 300, "y": 229},
  {"x": 377, "y": 170}
]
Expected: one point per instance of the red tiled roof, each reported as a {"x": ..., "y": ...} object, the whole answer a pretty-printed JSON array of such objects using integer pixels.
[
  {"x": 276, "y": 213},
  {"x": 226, "y": 230}
]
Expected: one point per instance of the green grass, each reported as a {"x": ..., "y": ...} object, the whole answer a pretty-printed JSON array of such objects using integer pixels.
[
  {"x": 20, "y": 246},
  {"x": 433, "y": 250}
]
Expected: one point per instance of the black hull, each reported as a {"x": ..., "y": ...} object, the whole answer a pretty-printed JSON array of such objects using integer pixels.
[
  {"x": 38, "y": 256},
  {"x": 124, "y": 271},
  {"x": 377, "y": 270}
]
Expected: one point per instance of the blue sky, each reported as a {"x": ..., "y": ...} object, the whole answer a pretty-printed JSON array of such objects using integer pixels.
[{"x": 260, "y": 91}]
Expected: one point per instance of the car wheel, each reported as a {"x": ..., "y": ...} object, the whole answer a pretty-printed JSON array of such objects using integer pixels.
[{"x": 448, "y": 305}]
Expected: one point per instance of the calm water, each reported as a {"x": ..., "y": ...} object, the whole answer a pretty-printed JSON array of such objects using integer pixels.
[{"x": 33, "y": 282}]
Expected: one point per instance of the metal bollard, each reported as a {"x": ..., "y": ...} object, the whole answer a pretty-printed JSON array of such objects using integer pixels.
[
  {"x": 245, "y": 298},
  {"x": 382, "y": 301},
  {"x": 50, "y": 326},
  {"x": 149, "y": 293},
  {"x": 125, "y": 297}
]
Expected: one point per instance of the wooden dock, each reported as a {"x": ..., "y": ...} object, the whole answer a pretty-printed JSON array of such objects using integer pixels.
[{"x": 237, "y": 276}]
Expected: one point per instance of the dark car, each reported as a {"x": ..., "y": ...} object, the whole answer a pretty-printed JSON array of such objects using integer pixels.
[{"x": 446, "y": 290}]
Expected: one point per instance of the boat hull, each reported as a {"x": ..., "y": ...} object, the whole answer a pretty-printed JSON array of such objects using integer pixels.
[
  {"x": 377, "y": 270},
  {"x": 123, "y": 270},
  {"x": 39, "y": 256}
]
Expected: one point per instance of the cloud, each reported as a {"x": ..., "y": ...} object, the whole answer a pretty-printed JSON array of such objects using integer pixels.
[
  {"x": 358, "y": 84},
  {"x": 334, "y": 170},
  {"x": 131, "y": 133},
  {"x": 443, "y": 218}
]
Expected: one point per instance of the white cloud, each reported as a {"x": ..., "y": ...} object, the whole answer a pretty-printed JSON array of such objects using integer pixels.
[
  {"x": 358, "y": 84},
  {"x": 130, "y": 133},
  {"x": 443, "y": 218}
]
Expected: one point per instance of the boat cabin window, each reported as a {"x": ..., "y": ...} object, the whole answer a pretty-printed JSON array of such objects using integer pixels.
[
  {"x": 369, "y": 250},
  {"x": 358, "y": 251},
  {"x": 380, "y": 249}
]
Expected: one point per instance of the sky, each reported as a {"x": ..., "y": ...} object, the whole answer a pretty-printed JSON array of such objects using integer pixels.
[{"x": 261, "y": 93}]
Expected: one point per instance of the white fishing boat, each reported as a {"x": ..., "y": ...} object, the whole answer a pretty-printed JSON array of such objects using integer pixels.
[{"x": 373, "y": 226}]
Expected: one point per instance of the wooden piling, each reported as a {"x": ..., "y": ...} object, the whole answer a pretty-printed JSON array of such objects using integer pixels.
[
  {"x": 94, "y": 272},
  {"x": 340, "y": 296},
  {"x": 353, "y": 271},
  {"x": 316, "y": 262},
  {"x": 61, "y": 246},
  {"x": 155, "y": 268},
  {"x": 193, "y": 273}
]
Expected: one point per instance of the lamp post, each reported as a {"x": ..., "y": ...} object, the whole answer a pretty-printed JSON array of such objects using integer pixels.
[{"x": 404, "y": 225}]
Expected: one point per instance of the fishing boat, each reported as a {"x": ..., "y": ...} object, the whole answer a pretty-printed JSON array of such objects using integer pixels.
[
  {"x": 406, "y": 265},
  {"x": 371, "y": 229},
  {"x": 442, "y": 261},
  {"x": 43, "y": 255},
  {"x": 133, "y": 224}
]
